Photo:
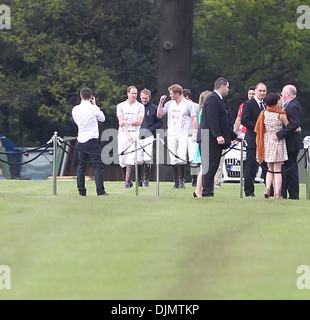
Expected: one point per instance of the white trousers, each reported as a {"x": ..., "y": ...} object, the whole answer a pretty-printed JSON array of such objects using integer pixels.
[
  {"x": 127, "y": 147},
  {"x": 177, "y": 145},
  {"x": 145, "y": 155}
]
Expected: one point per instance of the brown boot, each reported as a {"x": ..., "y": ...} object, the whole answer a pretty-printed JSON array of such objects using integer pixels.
[
  {"x": 181, "y": 176},
  {"x": 140, "y": 175},
  {"x": 176, "y": 176},
  {"x": 129, "y": 175},
  {"x": 147, "y": 168}
]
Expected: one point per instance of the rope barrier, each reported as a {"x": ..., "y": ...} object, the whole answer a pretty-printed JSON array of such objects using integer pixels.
[
  {"x": 283, "y": 171},
  {"x": 60, "y": 142},
  {"x": 191, "y": 162},
  {"x": 123, "y": 153},
  {"x": 26, "y": 162},
  {"x": 25, "y": 151}
]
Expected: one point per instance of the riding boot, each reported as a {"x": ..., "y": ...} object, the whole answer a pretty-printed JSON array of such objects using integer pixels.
[
  {"x": 176, "y": 176},
  {"x": 129, "y": 174},
  {"x": 181, "y": 176},
  {"x": 124, "y": 172},
  {"x": 194, "y": 181},
  {"x": 147, "y": 169},
  {"x": 140, "y": 175}
]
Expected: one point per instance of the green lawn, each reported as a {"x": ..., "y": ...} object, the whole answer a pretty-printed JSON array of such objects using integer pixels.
[{"x": 171, "y": 247}]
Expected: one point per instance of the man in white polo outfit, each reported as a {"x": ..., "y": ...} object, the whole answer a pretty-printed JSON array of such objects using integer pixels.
[
  {"x": 181, "y": 114},
  {"x": 130, "y": 114},
  {"x": 192, "y": 144}
]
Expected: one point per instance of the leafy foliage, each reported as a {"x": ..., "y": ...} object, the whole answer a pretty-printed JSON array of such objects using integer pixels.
[
  {"x": 250, "y": 41},
  {"x": 56, "y": 47}
]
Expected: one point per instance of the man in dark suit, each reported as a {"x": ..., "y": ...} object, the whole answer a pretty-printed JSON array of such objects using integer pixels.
[
  {"x": 293, "y": 142},
  {"x": 251, "y": 110},
  {"x": 215, "y": 134}
]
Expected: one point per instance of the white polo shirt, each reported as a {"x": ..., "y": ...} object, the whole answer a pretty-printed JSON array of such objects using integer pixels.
[
  {"x": 86, "y": 117},
  {"x": 130, "y": 112},
  {"x": 179, "y": 116}
]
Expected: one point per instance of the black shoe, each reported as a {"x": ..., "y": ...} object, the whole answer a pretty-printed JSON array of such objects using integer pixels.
[
  {"x": 176, "y": 186},
  {"x": 146, "y": 183},
  {"x": 251, "y": 195},
  {"x": 182, "y": 185},
  {"x": 128, "y": 185},
  {"x": 195, "y": 195},
  {"x": 82, "y": 195},
  {"x": 104, "y": 194}
]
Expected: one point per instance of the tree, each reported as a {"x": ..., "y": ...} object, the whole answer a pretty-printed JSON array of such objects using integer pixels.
[
  {"x": 56, "y": 47},
  {"x": 250, "y": 41},
  {"x": 175, "y": 50}
]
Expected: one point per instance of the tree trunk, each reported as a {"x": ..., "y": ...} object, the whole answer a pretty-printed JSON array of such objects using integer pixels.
[{"x": 175, "y": 53}]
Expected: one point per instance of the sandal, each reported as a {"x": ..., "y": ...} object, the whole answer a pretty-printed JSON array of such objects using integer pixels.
[
  {"x": 278, "y": 196},
  {"x": 267, "y": 193}
]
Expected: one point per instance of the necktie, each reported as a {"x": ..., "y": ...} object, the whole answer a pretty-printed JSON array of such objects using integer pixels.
[{"x": 262, "y": 106}]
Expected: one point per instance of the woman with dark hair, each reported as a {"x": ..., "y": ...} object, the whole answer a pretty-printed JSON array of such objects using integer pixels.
[{"x": 270, "y": 149}]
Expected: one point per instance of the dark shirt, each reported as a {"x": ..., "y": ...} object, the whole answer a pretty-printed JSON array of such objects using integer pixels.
[{"x": 150, "y": 122}]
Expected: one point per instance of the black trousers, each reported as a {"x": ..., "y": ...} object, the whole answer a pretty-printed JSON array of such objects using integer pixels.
[
  {"x": 290, "y": 177},
  {"x": 250, "y": 170},
  {"x": 210, "y": 162},
  {"x": 90, "y": 152}
]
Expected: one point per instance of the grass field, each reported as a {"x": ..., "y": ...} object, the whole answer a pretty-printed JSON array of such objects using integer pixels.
[{"x": 148, "y": 248}]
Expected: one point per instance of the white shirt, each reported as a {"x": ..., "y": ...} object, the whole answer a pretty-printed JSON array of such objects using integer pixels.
[
  {"x": 86, "y": 117},
  {"x": 259, "y": 102},
  {"x": 179, "y": 116},
  {"x": 131, "y": 113},
  {"x": 221, "y": 97},
  {"x": 196, "y": 109}
]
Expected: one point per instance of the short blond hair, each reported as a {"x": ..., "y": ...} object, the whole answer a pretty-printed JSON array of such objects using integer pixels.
[
  {"x": 131, "y": 87},
  {"x": 176, "y": 88},
  {"x": 146, "y": 91}
]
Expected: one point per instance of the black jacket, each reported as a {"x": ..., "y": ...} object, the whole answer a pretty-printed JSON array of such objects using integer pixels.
[
  {"x": 294, "y": 115},
  {"x": 150, "y": 122},
  {"x": 216, "y": 117},
  {"x": 250, "y": 114}
]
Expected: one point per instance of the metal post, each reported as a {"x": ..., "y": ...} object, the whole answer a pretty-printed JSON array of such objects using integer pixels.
[
  {"x": 241, "y": 170},
  {"x": 307, "y": 147},
  {"x": 136, "y": 167},
  {"x": 54, "y": 163},
  {"x": 308, "y": 176},
  {"x": 157, "y": 164}
]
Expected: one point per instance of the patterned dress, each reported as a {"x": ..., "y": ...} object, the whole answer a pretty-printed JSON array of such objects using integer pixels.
[{"x": 275, "y": 151}]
